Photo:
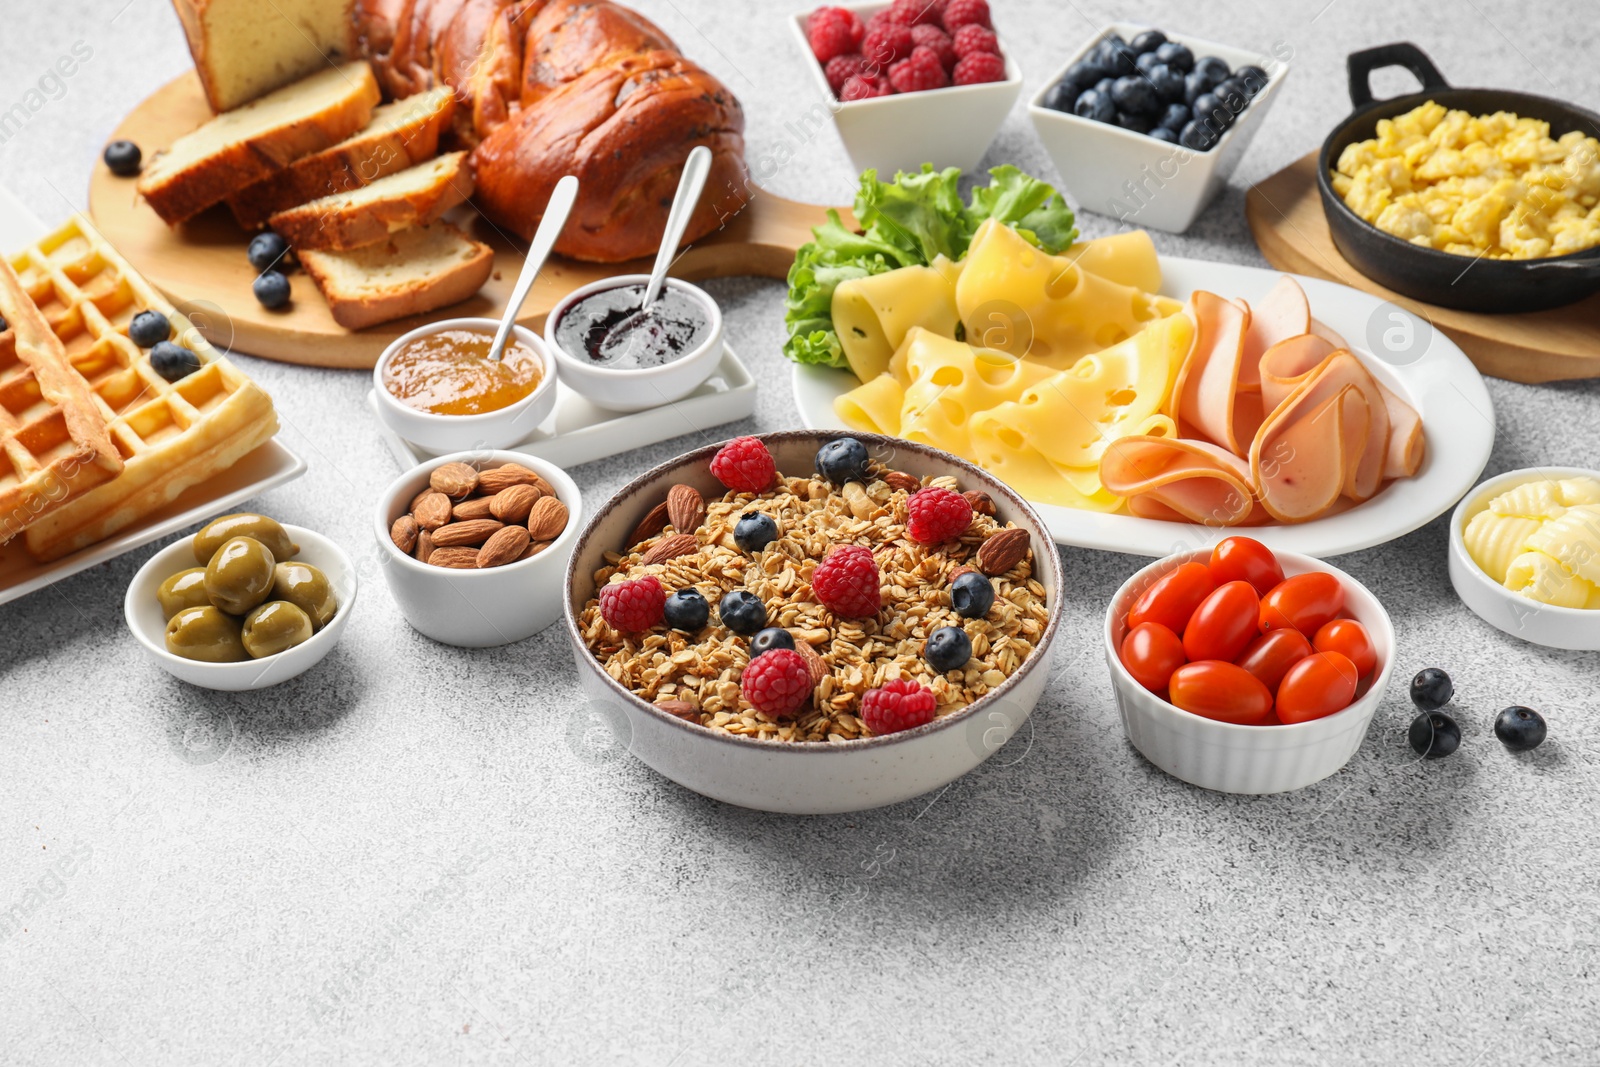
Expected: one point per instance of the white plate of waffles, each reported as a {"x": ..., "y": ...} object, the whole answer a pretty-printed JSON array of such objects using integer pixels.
[{"x": 98, "y": 453}]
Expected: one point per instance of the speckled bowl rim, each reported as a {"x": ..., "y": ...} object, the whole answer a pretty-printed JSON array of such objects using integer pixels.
[{"x": 960, "y": 467}]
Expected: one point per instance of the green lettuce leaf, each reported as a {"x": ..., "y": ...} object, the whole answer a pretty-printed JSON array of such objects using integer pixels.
[
  {"x": 836, "y": 256},
  {"x": 920, "y": 213},
  {"x": 1028, "y": 205}
]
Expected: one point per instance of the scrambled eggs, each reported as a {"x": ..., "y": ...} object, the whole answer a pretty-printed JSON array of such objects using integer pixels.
[{"x": 1496, "y": 185}]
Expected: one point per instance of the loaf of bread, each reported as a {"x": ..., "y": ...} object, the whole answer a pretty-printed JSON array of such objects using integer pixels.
[
  {"x": 412, "y": 271},
  {"x": 415, "y": 196},
  {"x": 244, "y": 49}
]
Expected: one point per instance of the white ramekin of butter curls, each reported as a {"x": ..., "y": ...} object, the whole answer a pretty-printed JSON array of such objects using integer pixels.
[
  {"x": 1525, "y": 555},
  {"x": 245, "y": 603}
]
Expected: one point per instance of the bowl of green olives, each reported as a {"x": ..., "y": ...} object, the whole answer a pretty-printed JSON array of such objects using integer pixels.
[{"x": 244, "y": 604}]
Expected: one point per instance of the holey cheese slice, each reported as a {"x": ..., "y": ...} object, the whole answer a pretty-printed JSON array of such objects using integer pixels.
[
  {"x": 873, "y": 407},
  {"x": 949, "y": 382},
  {"x": 1179, "y": 480},
  {"x": 873, "y": 315}
]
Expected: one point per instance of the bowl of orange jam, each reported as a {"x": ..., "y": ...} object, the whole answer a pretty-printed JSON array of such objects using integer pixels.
[{"x": 438, "y": 389}]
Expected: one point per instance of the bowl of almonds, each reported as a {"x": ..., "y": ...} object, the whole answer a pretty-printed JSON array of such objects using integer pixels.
[
  {"x": 813, "y": 622},
  {"x": 474, "y": 542}
]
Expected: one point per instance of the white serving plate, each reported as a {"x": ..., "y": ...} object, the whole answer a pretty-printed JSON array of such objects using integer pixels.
[
  {"x": 1441, "y": 383},
  {"x": 267, "y": 467},
  {"x": 579, "y": 432}
]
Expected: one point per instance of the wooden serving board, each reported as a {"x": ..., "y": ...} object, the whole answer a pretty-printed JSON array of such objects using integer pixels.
[
  {"x": 201, "y": 265},
  {"x": 1286, "y": 217}
]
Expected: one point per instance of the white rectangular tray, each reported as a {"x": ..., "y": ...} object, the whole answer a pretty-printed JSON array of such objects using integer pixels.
[{"x": 579, "y": 432}]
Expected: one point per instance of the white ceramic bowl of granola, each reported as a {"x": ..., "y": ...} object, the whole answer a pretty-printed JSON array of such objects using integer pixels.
[
  {"x": 811, "y": 778},
  {"x": 471, "y": 608},
  {"x": 1246, "y": 759}
]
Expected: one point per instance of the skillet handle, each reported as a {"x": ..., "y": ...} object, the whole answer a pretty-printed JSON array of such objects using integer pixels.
[{"x": 1401, "y": 54}]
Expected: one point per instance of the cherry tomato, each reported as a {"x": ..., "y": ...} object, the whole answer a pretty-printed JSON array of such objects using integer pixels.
[
  {"x": 1270, "y": 656},
  {"x": 1224, "y": 624},
  {"x": 1221, "y": 691},
  {"x": 1350, "y": 638},
  {"x": 1151, "y": 652},
  {"x": 1303, "y": 602},
  {"x": 1318, "y": 685},
  {"x": 1173, "y": 598},
  {"x": 1244, "y": 559}
]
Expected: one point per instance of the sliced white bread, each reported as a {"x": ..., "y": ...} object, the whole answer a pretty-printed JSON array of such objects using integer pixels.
[
  {"x": 413, "y": 271},
  {"x": 244, "y": 49},
  {"x": 415, "y": 196},
  {"x": 238, "y": 148},
  {"x": 400, "y": 135}
]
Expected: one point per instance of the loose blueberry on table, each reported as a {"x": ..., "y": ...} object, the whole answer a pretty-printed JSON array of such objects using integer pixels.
[
  {"x": 1434, "y": 735},
  {"x": 1520, "y": 729},
  {"x": 122, "y": 158}
]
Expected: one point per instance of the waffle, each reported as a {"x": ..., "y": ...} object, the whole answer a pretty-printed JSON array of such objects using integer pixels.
[{"x": 169, "y": 435}]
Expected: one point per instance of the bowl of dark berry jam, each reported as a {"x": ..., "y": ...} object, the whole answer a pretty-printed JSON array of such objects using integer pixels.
[{"x": 620, "y": 355}]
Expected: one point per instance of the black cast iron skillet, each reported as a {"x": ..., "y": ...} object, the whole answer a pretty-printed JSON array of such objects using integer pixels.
[{"x": 1444, "y": 278}]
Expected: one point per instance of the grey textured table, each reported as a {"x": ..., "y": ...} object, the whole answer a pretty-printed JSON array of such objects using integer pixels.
[{"x": 420, "y": 854}]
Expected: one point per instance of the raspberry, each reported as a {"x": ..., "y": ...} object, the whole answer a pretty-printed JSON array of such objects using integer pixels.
[
  {"x": 635, "y": 606},
  {"x": 776, "y": 682},
  {"x": 861, "y": 87},
  {"x": 959, "y": 13},
  {"x": 833, "y": 31},
  {"x": 915, "y": 12},
  {"x": 935, "y": 38},
  {"x": 846, "y": 582},
  {"x": 900, "y": 705},
  {"x": 974, "y": 38},
  {"x": 979, "y": 67},
  {"x": 840, "y": 68},
  {"x": 936, "y": 515},
  {"x": 744, "y": 465},
  {"x": 887, "y": 44},
  {"x": 920, "y": 72}
]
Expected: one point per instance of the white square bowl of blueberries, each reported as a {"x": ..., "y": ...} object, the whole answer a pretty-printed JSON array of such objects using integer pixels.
[{"x": 1147, "y": 127}]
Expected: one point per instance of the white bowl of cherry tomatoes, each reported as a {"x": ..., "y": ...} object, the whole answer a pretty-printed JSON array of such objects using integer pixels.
[{"x": 1247, "y": 671}]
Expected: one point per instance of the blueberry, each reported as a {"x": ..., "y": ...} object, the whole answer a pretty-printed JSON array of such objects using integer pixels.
[
  {"x": 770, "y": 638},
  {"x": 947, "y": 649},
  {"x": 1431, "y": 689},
  {"x": 1061, "y": 96},
  {"x": 1177, "y": 56},
  {"x": 1519, "y": 729},
  {"x": 1194, "y": 85},
  {"x": 742, "y": 612},
  {"x": 972, "y": 595},
  {"x": 1168, "y": 84},
  {"x": 1114, "y": 55},
  {"x": 1147, "y": 62},
  {"x": 1198, "y": 136},
  {"x": 1136, "y": 123},
  {"x": 754, "y": 531},
  {"x": 1434, "y": 735},
  {"x": 1233, "y": 96},
  {"x": 149, "y": 328},
  {"x": 1254, "y": 79},
  {"x": 172, "y": 361},
  {"x": 1175, "y": 118},
  {"x": 1081, "y": 75},
  {"x": 267, "y": 251},
  {"x": 1215, "y": 70},
  {"x": 842, "y": 460},
  {"x": 122, "y": 157},
  {"x": 1161, "y": 133},
  {"x": 1136, "y": 96},
  {"x": 1213, "y": 112},
  {"x": 1104, "y": 85},
  {"x": 272, "y": 289},
  {"x": 1148, "y": 41},
  {"x": 4, "y": 326},
  {"x": 1094, "y": 104},
  {"x": 687, "y": 610}
]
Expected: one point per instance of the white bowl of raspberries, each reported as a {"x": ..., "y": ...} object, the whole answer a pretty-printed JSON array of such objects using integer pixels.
[{"x": 912, "y": 81}]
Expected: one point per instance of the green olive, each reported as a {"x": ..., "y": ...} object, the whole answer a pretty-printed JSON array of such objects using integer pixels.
[
  {"x": 275, "y": 626},
  {"x": 219, "y": 532},
  {"x": 308, "y": 589},
  {"x": 186, "y": 589},
  {"x": 207, "y": 635},
  {"x": 239, "y": 575}
]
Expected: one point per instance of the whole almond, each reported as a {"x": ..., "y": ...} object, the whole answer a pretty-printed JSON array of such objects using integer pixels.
[
  {"x": 476, "y": 508},
  {"x": 456, "y": 559},
  {"x": 547, "y": 519},
  {"x": 404, "y": 533},
  {"x": 544, "y": 487},
  {"x": 502, "y": 478},
  {"x": 420, "y": 497},
  {"x": 686, "y": 508},
  {"x": 814, "y": 662},
  {"x": 670, "y": 548},
  {"x": 505, "y": 546},
  {"x": 513, "y": 504},
  {"x": 681, "y": 709},
  {"x": 981, "y": 502},
  {"x": 432, "y": 511},
  {"x": 454, "y": 480},
  {"x": 654, "y": 521},
  {"x": 473, "y": 532},
  {"x": 1003, "y": 550},
  {"x": 424, "y": 549},
  {"x": 901, "y": 480},
  {"x": 534, "y": 548}
]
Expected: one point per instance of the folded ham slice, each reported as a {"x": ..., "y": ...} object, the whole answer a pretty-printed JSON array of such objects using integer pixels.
[
  {"x": 1289, "y": 363},
  {"x": 1206, "y": 394},
  {"x": 1167, "y": 478},
  {"x": 1284, "y": 314},
  {"x": 1406, "y": 448},
  {"x": 1302, "y": 460}
]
